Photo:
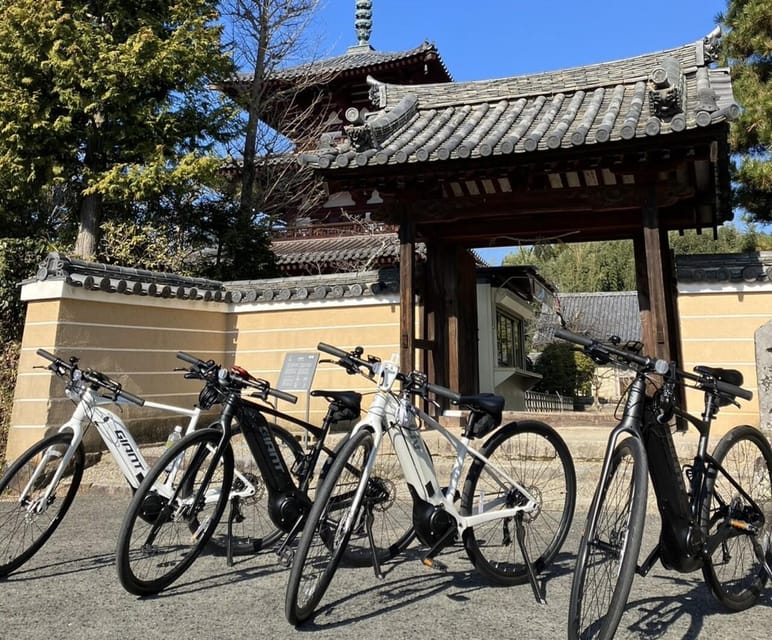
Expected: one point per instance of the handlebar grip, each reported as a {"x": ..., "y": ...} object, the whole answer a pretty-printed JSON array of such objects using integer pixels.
[
  {"x": 573, "y": 337},
  {"x": 186, "y": 357},
  {"x": 733, "y": 390},
  {"x": 131, "y": 397},
  {"x": 444, "y": 392},
  {"x": 283, "y": 395},
  {"x": 333, "y": 351},
  {"x": 45, "y": 354}
]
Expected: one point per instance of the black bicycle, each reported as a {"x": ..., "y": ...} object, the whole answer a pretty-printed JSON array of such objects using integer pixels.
[
  {"x": 716, "y": 512},
  {"x": 178, "y": 506}
]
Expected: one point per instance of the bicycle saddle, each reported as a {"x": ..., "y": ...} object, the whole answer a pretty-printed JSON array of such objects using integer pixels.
[
  {"x": 348, "y": 399},
  {"x": 731, "y": 376},
  {"x": 486, "y": 402}
]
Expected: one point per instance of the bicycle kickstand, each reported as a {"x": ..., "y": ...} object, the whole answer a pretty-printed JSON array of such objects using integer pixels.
[
  {"x": 526, "y": 558},
  {"x": 231, "y": 517},
  {"x": 369, "y": 528}
]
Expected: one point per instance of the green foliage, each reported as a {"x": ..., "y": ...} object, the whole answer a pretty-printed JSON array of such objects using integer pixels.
[
  {"x": 610, "y": 266},
  {"x": 108, "y": 99},
  {"x": 9, "y": 361},
  {"x": 747, "y": 48},
  {"x": 564, "y": 370},
  {"x": 19, "y": 258}
]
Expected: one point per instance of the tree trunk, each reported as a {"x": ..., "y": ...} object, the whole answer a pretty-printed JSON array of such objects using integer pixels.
[{"x": 86, "y": 242}]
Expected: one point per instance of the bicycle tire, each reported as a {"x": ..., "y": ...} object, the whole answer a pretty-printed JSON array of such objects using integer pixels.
[
  {"x": 324, "y": 539},
  {"x": 733, "y": 571},
  {"x": 608, "y": 551},
  {"x": 252, "y": 528},
  {"x": 535, "y": 456},
  {"x": 22, "y": 533},
  {"x": 146, "y": 566},
  {"x": 388, "y": 499}
]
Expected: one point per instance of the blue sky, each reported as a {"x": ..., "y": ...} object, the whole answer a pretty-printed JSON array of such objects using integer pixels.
[{"x": 484, "y": 39}]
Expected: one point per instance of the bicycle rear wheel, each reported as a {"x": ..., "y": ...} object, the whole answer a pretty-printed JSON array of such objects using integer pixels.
[
  {"x": 534, "y": 455},
  {"x": 25, "y": 522},
  {"x": 252, "y": 529},
  {"x": 326, "y": 534},
  {"x": 608, "y": 552},
  {"x": 173, "y": 515},
  {"x": 739, "y": 535}
]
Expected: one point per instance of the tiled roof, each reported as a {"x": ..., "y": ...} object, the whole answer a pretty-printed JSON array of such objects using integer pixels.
[
  {"x": 725, "y": 267},
  {"x": 107, "y": 278},
  {"x": 640, "y": 97},
  {"x": 356, "y": 252},
  {"x": 599, "y": 315},
  {"x": 360, "y": 59}
]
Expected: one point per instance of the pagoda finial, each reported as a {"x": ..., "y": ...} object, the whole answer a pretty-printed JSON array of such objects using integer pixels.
[{"x": 363, "y": 20}]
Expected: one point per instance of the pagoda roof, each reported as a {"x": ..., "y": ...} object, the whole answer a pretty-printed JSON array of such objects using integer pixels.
[
  {"x": 642, "y": 97},
  {"x": 359, "y": 61}
]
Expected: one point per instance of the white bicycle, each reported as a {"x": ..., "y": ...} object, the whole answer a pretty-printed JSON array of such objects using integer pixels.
[
  {"x": 516, "y": 505},
  {"x": 37, "y": 489}
]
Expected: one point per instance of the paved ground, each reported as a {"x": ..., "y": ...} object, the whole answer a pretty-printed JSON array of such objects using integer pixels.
[{"x": 70, "y": 591}]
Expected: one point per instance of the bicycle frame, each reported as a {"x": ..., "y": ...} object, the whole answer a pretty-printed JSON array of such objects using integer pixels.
[
  {"x": 118, "y": 439},
  {"x": 396, "y": 417}
]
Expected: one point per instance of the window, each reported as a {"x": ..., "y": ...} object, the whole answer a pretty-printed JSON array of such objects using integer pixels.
[{"x": 509, "y": 341}]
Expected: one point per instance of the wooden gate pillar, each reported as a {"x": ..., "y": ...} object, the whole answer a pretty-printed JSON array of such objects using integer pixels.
[
  {"x": 653, "y": 286},
  {"x": 406, "y": 294}
]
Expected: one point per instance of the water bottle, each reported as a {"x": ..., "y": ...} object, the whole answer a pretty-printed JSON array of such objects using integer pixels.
[{"x": 174, "y": 436}]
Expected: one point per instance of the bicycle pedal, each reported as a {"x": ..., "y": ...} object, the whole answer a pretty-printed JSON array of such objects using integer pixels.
[{"x": 435, "y": 564}]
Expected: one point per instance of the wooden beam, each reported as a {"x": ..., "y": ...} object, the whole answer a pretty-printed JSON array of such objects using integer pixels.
[{"x": 406, "y": 296}]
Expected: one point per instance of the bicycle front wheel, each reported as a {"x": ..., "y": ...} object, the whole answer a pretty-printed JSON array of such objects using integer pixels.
[
  {"x": 173, "y": 513},
  {"x": 327, "y": 530},
  {"x": 608, "y": 552},
  {"x": 251, "y": 527},
  {"x": 27, "y": 517},
  {"x": 388, "y": 506},
  {"x": 536, "y": 457},
  {"x": 740, "y": 533}
]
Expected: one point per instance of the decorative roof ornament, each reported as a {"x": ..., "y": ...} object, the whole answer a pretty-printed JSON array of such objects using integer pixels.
[
  {"x": 363, "y": 21},
  {"x": 711, "y": 44}
]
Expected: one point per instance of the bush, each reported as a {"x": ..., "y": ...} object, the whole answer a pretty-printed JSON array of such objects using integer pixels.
[
  {"x": 564, "y": 370},
  {"x": 19, "y": 258},
  {"x": 9, "y": 360}
]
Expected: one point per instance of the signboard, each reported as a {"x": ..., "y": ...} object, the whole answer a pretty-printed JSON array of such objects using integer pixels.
[{"x": 297, "y": 372}]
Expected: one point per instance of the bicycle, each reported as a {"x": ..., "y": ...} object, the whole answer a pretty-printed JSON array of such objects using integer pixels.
[
  {"x": 155, "y": 546},
  {"x": 29, "y": 509},
  {"x": 716, "y": 512},
  {"x": 515, "y": 509}
]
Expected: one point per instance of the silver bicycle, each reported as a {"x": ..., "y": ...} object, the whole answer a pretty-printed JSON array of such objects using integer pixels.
[{"x": 513, "y": 514}]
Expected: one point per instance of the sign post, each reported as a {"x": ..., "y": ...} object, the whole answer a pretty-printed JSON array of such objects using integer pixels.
[{"x": 297, "y": 374}]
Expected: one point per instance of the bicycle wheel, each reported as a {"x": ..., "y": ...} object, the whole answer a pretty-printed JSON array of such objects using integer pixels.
[
  {"x": 534, "y": 455},
  {"x": 388, "y": 503},
  {"x": 608, "y": 551},
  {"x": 252, "y": 529},
  {"x": 25, "y": 522},
  {"x": 325, "y": 535},
  {"x": 739, "y": 535},
  {"x": 155, "y": 545}
]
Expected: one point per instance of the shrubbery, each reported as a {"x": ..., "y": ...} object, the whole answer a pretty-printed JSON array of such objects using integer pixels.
[{"x": 564, "y": 370}]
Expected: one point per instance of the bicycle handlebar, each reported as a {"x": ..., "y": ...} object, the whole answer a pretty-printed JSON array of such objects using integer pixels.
[
  {"x": 705, "y": 381},
  {"x": 94, "y": 378},
  {"x": 444, "y": 392},
  {"x": 350, "y": 361},
  {"x": 241, "y": 376}
]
